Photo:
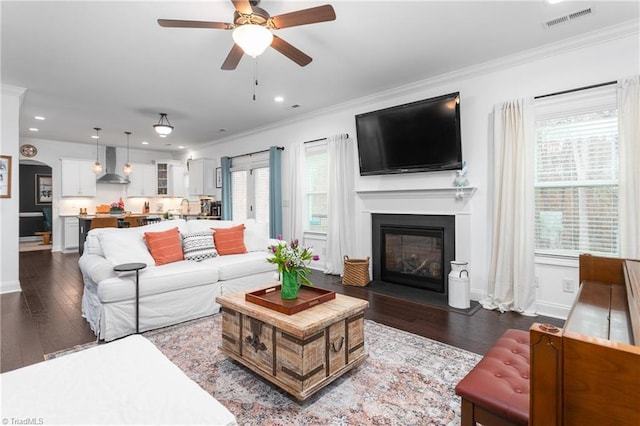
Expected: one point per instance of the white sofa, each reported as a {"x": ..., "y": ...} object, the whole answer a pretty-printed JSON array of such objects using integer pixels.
[{"x": 169, "y": 293}]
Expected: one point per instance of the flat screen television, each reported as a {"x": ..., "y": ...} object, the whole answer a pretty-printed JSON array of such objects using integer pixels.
[{"x": 414, "y": 137}]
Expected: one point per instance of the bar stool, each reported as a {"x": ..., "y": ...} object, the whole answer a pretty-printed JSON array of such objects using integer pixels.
[{"x": 104, "y": 222}]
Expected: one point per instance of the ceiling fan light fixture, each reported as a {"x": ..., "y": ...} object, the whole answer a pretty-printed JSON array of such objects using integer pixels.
[
  {"x": 164, "y": 127},
  {"x": 253, "y": 39}
]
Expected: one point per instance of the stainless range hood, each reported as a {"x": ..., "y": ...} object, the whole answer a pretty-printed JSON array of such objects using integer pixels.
[{"x": 110, "y": 167}]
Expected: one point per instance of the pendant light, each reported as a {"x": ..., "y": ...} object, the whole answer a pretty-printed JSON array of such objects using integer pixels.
[
  {"x": 127, "y": 166},
  {"x": 97, "y": 167},
  {"x": 163, "y": 128}
]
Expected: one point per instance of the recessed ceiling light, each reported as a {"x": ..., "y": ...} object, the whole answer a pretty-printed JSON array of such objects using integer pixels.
[
  {"x": 38, "y": 117},
  {"x": 553, "y": 1},
  {"x": 278, "y": 99},
  {"x": 145, "y": 143},
  {"x": 95, "y": 137},
  {"x": 180, "y": 146},
  {"x": 163, "y": 136},
  {"x": 33, "y": 129}
]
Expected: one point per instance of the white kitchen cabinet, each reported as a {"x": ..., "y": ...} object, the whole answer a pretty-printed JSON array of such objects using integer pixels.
[
  {"x": 170, "y": 179},
  {"x": 77, "y": 178},
  {"x": 202, "y": 177},
  {"x": 71, "y": 233},
  {"x": 142, "y": 181}
]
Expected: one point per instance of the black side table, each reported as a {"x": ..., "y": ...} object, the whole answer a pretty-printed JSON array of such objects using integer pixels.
[{"x": 128, "y": 267}]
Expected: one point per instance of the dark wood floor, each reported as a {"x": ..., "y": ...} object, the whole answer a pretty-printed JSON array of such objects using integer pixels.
[{"x": 46, "y": 316}]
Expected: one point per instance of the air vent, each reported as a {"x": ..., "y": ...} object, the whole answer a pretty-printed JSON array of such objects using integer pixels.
[
  {"x": 295, "y": 106},
  {"x": 569, "y": 17}
]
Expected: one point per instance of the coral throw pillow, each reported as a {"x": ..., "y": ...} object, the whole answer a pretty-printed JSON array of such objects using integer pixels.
[
  {"x": 165, "y": 247},
  {"x": 229, "y": 240}
]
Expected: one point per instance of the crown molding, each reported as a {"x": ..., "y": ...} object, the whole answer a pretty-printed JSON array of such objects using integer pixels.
[{"x": 608, "y": 34}]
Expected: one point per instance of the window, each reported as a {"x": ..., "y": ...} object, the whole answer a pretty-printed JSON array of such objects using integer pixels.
[
  {"x": 250, "y": 189},
  {"x": 576, "y": 181},
  {"x": 316, "y": 186}
]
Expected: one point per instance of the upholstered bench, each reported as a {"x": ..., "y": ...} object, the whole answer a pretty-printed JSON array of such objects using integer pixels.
[{"x": 496, "y": 391}]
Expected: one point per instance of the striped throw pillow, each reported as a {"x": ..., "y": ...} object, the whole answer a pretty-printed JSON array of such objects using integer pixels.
[
  {"x": 165, "y": 247},
  {"x": 229, "y": 240},
  {"x": 199, "y": 245}
]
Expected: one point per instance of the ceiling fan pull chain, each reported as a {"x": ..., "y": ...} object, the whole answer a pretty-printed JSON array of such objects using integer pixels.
[{"x": 255, "y": 77}]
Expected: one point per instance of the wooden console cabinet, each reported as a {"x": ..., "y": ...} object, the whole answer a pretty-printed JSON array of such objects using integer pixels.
[
  {"x": 299, "y": 353},
  {"x": 588, "y": 373}
]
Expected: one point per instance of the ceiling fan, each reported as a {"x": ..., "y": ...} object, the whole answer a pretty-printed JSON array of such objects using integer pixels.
[{"x": 248, "y": 14}]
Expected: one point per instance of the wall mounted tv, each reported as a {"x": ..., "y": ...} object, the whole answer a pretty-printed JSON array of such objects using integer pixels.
[{"x": 414, "y": 137}]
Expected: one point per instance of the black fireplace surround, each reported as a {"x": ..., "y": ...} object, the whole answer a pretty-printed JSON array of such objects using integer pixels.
[{"x": 413, "y": 250}]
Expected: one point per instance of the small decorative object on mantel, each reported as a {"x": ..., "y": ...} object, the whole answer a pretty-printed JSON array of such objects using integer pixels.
[
  {"x": 461, "y": 180},
  {"x": 292, "y": 260},
  {"x": 117, "y": 207}
]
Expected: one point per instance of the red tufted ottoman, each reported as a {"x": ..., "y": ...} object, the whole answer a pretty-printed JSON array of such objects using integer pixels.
[{"x": 496, "y": 391}]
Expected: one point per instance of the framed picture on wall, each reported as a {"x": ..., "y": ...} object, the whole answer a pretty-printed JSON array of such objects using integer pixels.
[
  {"x": 5, "y": 176},
  {"x": 43, "y": 189},
  {"x": 218, "y": 177}
]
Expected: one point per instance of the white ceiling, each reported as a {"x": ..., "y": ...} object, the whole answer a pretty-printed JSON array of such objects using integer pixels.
[{"x": 108, "y": 64}]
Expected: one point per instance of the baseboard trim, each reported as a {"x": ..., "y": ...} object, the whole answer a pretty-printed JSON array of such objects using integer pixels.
[
  {"x": 547, "y": 309},
  {"x": 10, "y": 287},
  {"x": 553, "y": 310}
]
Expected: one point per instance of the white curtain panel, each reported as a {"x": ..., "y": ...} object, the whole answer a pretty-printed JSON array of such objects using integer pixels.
[
  {"x": 340, "y": 203},
  {"x": 297, "y": 195},
  {"x": 511, "y": 285},
  {"x": 629, "y": 146}
]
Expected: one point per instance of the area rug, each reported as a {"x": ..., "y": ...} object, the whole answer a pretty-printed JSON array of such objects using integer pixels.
[
  {"x": 406, "y": 380},
  {"x": 33, "y": 246}
]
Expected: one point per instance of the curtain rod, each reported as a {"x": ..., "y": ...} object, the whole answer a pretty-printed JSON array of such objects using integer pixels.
[
  {"x": 321, "y": 139},
  {"x": 281, "y": 148},
  {"x": 593, "y": 86}
]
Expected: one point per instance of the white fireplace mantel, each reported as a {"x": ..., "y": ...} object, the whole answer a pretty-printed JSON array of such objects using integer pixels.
[
  {"x": 390, "y": 194},
  {"x": 424, "y": 201}
]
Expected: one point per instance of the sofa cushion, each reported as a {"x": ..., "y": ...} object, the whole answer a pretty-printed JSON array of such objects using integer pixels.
[
  {"x": 157, "y": 279},
  {"x": 198, "y": 245},
  {"x": 124, "y": 247},
  {"x": 256, "y": 235},
  {"x": 165, "y": 246},
  {"x": 229, "y": 240},
  {"x": 240, "y": 265}
]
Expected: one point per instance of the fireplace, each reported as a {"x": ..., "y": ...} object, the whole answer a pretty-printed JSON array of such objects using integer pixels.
[{"x": 413, "y": 250}]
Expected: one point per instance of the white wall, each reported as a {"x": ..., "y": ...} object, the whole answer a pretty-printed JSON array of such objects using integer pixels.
[
  {"x": 594, "y": 59},
  {"x": 9, "y": 207}
]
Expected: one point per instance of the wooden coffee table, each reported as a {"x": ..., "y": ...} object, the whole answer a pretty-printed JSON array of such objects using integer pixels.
[{"x": 300, "y": 353}]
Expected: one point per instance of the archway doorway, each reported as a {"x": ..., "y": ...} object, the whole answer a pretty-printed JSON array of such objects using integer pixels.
[{"x": 36, "y": 198}]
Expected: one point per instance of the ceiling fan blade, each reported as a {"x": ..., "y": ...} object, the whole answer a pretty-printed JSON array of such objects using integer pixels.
[
  {"x": 290, "y": 52},
  {"x": 233, "y": 58},
  {"x": 243, "y": 6},
  {"x": 175, "y": 23},
  {"x": 304, "y": 16}
]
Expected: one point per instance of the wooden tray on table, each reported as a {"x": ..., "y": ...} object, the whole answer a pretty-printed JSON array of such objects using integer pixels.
[{"x": 271, "y": 298}]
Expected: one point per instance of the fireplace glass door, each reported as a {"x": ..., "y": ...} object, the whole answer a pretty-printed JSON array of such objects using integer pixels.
[{"x": 413, "y": 257}]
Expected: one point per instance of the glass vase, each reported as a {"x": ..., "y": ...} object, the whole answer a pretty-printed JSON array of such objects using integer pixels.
[{"x": 290, "y": 285}]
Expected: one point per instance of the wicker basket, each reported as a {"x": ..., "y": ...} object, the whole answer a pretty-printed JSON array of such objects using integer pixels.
[{"x": 356, "y": 272}]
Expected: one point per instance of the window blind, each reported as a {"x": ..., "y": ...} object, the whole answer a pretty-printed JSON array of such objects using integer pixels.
[
  {"x": 576, "y": 182},
  {"x": 316, "y": 187}
]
